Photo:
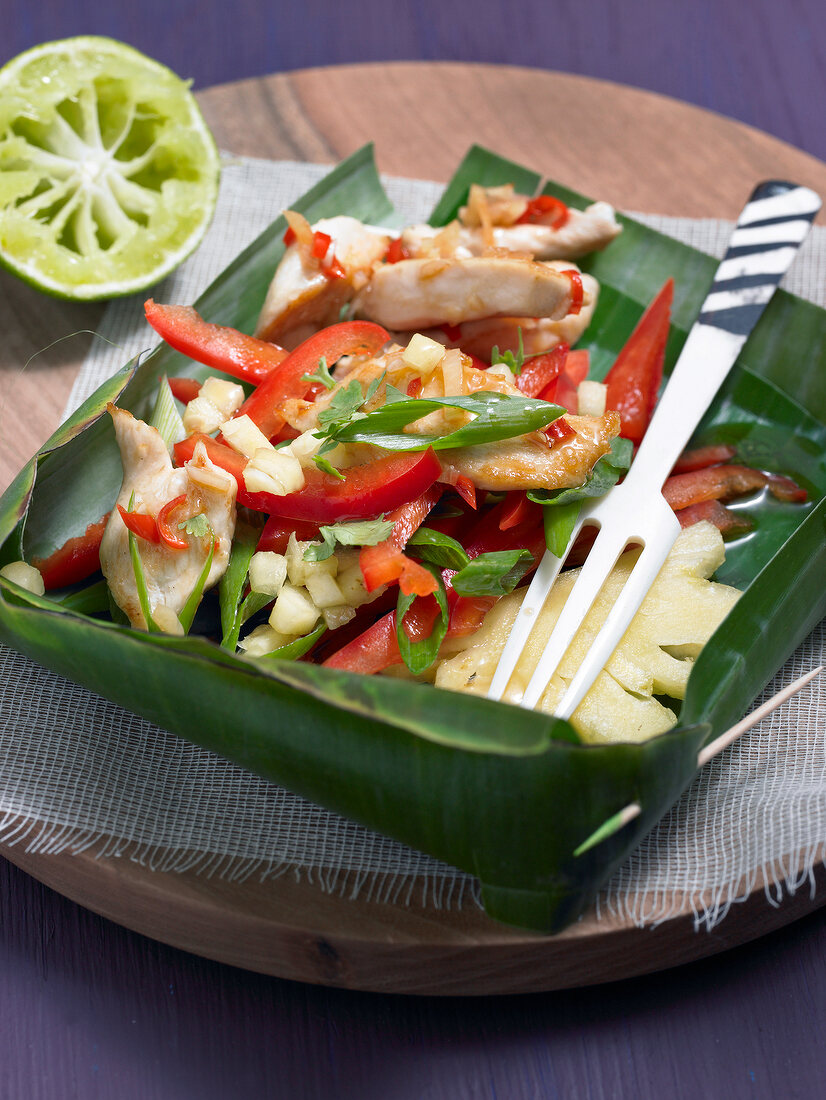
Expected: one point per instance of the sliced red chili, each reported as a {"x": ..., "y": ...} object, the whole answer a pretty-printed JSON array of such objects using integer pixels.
[
  {"x": 321, "y": 244},
  {"x": 145, "y": 527},
  {"x": 289, "y": 237},
  {"x": 558, "y": 430},
  {"x": 466, "y": 490},
  {"x": 396, "y": 251},
  {"x": 727, "y": 522},
  {"x": 545, "y": 210},
  {"x": 168, "y": 534},
  {"x": 577, "y": 291}
]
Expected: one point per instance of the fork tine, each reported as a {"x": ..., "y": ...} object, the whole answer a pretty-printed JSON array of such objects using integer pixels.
[
  {"x": 601, "y": 559},
  {"x": 543, "y": 581},
  {"x": 619, "y": 618}
]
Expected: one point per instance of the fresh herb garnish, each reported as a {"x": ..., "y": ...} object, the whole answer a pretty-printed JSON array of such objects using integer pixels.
[
  {"x": 326, "y": 466},
  {"x": 420, "y": 655},
  {"x": 514, "y": 362},
  {"x": 437, "y": 549},
  {"x": 234, "y": 611},
  {"x": 297, "y": 648},
  {"x": 321, "y": 374},
  {"x": 345, "y": 406},
  {"x": 493, "y": 574},
  {"x": 358, "y": 532},
  {"x": 496, "y": 416},
  {"x": 195, "y": 525},
  {"x": 187, "y": 613}
]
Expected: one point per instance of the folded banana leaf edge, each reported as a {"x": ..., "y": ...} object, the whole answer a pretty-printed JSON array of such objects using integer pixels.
[{"x": 507, "y": 795}]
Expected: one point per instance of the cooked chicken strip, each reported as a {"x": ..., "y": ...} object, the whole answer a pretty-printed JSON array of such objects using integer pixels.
[
  {"x": 414, "y": 294},
  {"x": 585, "y": 231},
  {"x": 301, "y": 298},
  {"x": 539, "y": 334},
  {"x": 170, "y": 574},
  {"x": 532, "y": 461}
]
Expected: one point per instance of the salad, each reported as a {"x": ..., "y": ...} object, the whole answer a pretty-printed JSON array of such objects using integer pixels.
[{"x": 369, "y": 480}]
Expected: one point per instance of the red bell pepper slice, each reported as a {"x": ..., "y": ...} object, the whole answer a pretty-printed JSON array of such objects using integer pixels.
[
  {"x": 168, "y": 534},
  {"x": 634, "y": 380},
  {"x": 145, "y": 527},
  {"x": 225, "y": 349},
  {"x": 727, "y": 522},
  {"x": 701, "y": 457},
  {"x": 540, "y": 371},
  {"x": 277, "y": 531},
  {"x": 516, "y": 510},
  {"x": 184, "y": 389},
  {"x": 564, "y": 390},
  {"x": 386, "y": 563},
  {"x": 74, "y": 561},
  {"x": 725, "y": 483},
  {"x": 348, "y": 338},
  {"x": 544, "y": 210},
  {"x": 366, "y": 491}
]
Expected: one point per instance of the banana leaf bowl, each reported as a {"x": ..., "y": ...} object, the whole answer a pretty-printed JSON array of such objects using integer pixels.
[{"x": 507, "y": 795}]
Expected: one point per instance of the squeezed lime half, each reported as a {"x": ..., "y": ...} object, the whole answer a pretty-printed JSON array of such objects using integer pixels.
[{"x": 108, "y": 172}]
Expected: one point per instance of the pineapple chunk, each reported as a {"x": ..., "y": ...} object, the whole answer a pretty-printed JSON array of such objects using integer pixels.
[
  {"x": 226, "y": 396},
  {"x": 654, "y": 657},
  {"x": 323, "y": 590},
  {"x": 294, "y": 611},
  {"x": 19, "y": 572},
  {"x": 263, "y": 640},
  {"x": 268, "y": 572}
]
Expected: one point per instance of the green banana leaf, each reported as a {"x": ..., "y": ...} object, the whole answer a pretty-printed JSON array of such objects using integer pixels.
[{"x": 510, "y": 796}]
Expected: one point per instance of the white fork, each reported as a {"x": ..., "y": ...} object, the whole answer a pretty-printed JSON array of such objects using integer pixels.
[{"x": 768, "y": 233}]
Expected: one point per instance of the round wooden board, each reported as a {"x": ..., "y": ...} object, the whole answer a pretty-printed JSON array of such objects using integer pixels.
[{"x": 637, "y": 150}]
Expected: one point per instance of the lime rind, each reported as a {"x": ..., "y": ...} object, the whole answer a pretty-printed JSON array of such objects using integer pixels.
[{"x": 108, "y": 172}]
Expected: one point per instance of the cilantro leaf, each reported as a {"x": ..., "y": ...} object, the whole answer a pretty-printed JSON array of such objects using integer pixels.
[
  {"x": 358, "y": 532},
  {"x": 514, "y": 362},
  {"x": 493, "y": 574},
  {"x": 344, "y": 403},
  {"x": 195, "y": 525},
  {"x": 438, "y": 549},
  {"x": 321, "y": 374},
  {"x": 326, "y": 466},
  {"x": 420, "y": 655}
]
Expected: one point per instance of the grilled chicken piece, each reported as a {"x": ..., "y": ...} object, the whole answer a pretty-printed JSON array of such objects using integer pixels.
[
  {"x": 532, "y": 461},
  {"x": 539, "y": 334},
  {"x": 302, "y": 298},
  {"x": 585, "y": 231},
  {"x": 170, "y": 574},
  {"x": 415, "y": 294}
]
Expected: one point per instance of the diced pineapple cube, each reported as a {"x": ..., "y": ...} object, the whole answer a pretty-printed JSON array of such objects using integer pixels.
[
  {"x": 304, "y": 448},
  {"x": 294, "y": 611},
  {"x": 226, "y": 396},
  {"x": 323, "y": 590},
  {"x": 298, "y": 569},
  {"x": 334, "y": 617},
  {"x": 263, "y": 640},
  {"x": 268, "y": 572},
  {"x": 591, "y": 397},
  {"x": 423, "y": 354},
  {"x": 351, "y": 584},
  {"x": 680, "y": 613},
  {"x": 20, "y": 572},
  {"x": 244, "y": 436},
  {"x": 201, "y": 415},
  {"x": 282, "y": 468}
]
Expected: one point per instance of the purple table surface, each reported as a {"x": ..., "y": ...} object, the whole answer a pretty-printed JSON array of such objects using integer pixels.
[{"x": 88, "y": 1009}]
